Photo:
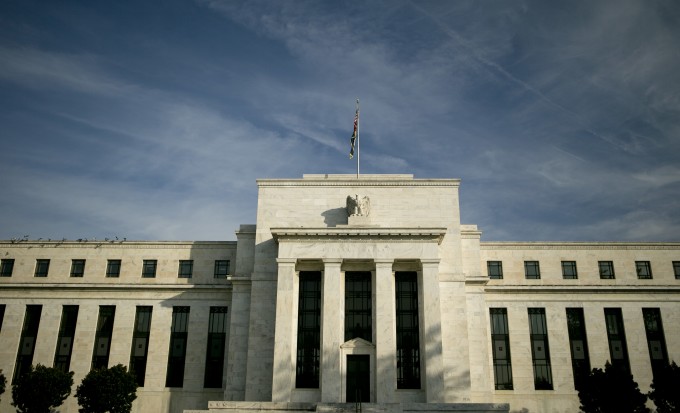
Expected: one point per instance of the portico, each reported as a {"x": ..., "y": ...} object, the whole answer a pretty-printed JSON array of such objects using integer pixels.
[{"x": 379, "y": 254}]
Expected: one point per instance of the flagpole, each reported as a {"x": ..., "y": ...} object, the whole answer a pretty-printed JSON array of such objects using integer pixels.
[{"x": 358, "y": 141}]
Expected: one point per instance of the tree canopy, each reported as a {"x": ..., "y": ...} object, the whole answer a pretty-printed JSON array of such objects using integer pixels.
[
  {"x": 3, "y": 382},
  {"x": 611, "y": 390},
  {"x": 40, "y": 389},
  {"x": 107, "y": 390},
  {"x": 666, "y": 389}
]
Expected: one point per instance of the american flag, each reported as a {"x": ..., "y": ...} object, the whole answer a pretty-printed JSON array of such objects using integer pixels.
[{"x": 354, "y": 134}]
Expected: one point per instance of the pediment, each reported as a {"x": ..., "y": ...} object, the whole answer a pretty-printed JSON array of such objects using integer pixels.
[{"x": 357, "y": 343}]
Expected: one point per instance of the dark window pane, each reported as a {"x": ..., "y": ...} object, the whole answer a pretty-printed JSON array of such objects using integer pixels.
[
  {"x": 41, "y": 268},
  {"x": 408, "y": 333},
  {"x": 606, "y": 269},
  {"x": 140, "y": 343},
  {"x": 643, "y": 269},
  {"x": 29, "y": 333},
  {"x": 580, "y": 359},
  {"x": 532, "y": 270},
  {"x": 495, "y": 269},
  {"x": 149, "y": 269},
  {"x": 221, "y": 268},
  {"x": 77, "y": 268},
  {"x": 569, "y": 270},
  {"x": 178, "y": 347},
  {"x": 500, "y": 345},
  {"x": 67, "y": 331},
  {"x": 6, "y": 267},
  {"x": 540, "y": 350},
  {"x": 358, "y": 305},
  {"x": 113, "y": 268},
  {"x": 186, "y": 268},
  {"x": 616, "y": 335},
  {"x": 103, "y": 335},
  {"x": 309, "y": 330},
  {"x": 656, "y": 341},
  {"x": 214, "y": 361}
]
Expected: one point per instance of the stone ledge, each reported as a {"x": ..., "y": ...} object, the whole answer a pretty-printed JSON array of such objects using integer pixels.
[{"x": 273, "y": 407}]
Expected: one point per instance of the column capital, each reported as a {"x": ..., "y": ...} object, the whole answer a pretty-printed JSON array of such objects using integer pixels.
[
  {"x": 286, "y": 261},
  {"x": 332, "y": 261},
  {"x": 383, "y": 262}
]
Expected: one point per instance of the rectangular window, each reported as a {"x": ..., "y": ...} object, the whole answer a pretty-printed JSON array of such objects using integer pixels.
[
  {"x": 676, "y": 269},
  {"x": 540, "y": 350},
  {"x": 2, "y": 315},
  {"x": 643, "y": 269},
  {"x": 616, "y": 335},
  {"x": 67, "y": 331},
  {"x": 500, "y": 344},
  {"x": 186, "y": 268},
  {"x": 358, "y": 306},
  {"x": 102, "y": 338},
  {"x": 177, "y": 355},
  {"x": 217, "y": 340},
  {"x": 41, "y": 268},
  {"x": 606, "y": 269},
  {"x": 408, "y": 332},
  {"x": 569, "y": 270},
  {"x": 77, "y": 268},
  {"x": 113, "y": 268},
  {"x": 309, "y": 331},
  {"x": 495, "y": 269},
  {"x": 221, "y": 268},
  {"x": 531, "y": 270},
  {"x": 149, "y": 269},
  {"x": 6, "y": 267},
  {"x": 29, "y": 333},
  {"x": 656, "y": 342},
  {"x": 140, "y": 343},
  {"x": 578, "y": 344}
]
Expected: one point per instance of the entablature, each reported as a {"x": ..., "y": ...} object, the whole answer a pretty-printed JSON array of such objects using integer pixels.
[{"x": 359, "y": 234}]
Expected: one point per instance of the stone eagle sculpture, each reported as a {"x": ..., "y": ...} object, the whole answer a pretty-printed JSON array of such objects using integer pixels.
[{"x": 358, "y": 206}]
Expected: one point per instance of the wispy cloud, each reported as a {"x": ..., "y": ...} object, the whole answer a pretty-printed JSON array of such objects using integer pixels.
[{"x": 560, "y": 120}]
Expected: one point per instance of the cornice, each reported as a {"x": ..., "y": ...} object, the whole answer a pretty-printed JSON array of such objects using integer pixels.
[
  {"x": 579, "y": 245},
  {"x": 115, "y": 287},
  {"x": 359, "y": 234},
  {"x": 586, "y": 289},
  {"x": 120, "y": 244},
  {"x": 361, "y": 182}
]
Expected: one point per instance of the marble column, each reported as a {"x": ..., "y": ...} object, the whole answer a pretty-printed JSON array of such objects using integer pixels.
[
  {"x": 385, "y": 332},
  {"x": 332, "y": 330},
  {"x": 432, "y": 332},
  {"x": 284, "y": 364}
]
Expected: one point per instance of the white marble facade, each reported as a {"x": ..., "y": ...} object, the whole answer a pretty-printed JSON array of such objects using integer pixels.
[{"x": 402, "y": 224}]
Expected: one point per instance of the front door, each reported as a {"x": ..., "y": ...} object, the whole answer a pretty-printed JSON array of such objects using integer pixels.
[{"x": 358, "y": 378}]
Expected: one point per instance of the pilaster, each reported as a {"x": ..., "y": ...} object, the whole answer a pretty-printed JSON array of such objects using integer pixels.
[
  {"x": 332, "y": 330},
  {"x": 235, "y": 373},
  {"x": 432, "y": 332},
  {"x": 284, "y": 365},
  {"x": 385, "y": 341}
]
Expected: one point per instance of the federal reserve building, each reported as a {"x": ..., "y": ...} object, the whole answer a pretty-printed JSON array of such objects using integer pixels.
[{"x": 348, "y": 293}]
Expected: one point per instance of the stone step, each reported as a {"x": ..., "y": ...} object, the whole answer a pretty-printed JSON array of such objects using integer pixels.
[{"x": 272, "y": 407}]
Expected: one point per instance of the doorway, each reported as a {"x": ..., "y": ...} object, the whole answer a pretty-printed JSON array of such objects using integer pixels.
[{"x": 358, "y": 378}]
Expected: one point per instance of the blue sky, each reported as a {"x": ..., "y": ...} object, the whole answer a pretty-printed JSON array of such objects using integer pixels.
[{"x": 153, "y": 119}]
